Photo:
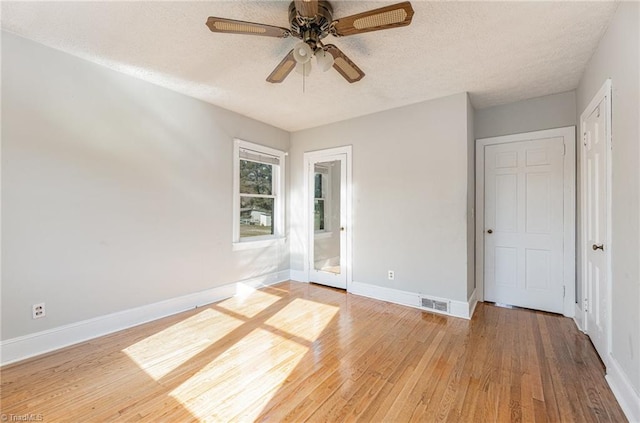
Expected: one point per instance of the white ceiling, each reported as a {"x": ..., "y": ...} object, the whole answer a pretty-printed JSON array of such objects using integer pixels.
[{"x": 499, "y": 52}]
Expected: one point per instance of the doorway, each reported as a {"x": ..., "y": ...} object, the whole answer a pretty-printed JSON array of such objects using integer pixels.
[
  {"x": 328, "y": 198},
  {"x": 525, "y": 235}
]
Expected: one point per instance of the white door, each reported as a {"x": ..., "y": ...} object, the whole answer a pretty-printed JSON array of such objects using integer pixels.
[
  {"x": 595, "y": 222},
  {"x": 327, "y": 175},
  {"x": 524, "y": 223}
]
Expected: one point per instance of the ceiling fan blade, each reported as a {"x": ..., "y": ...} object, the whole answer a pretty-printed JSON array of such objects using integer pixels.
[
  {"x": 386, "y": 17},
  {"x": 307, "y": 8},
  {"x": 232, "y": 26},
  {"x": 283, "y": 69},
  {"x": 344, "y": 65}
]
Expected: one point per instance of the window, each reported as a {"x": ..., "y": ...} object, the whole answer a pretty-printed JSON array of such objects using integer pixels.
[
  {"x": 259, "y": 202},
  {"x": 321, "y": 199}
]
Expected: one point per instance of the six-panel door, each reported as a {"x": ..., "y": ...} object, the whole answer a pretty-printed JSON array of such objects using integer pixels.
[{"x": 524, "y": 224}]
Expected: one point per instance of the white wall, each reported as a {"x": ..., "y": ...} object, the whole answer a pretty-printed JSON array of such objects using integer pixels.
[
  {"x": 618, "y": 58},
  {"x": 551, "y": 111},
  {"x": 115, "y": 193},
  {"x": 410, "y": 195}
]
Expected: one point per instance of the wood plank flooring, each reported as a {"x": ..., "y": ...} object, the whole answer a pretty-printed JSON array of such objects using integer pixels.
[{"x": 298, "y": 352}]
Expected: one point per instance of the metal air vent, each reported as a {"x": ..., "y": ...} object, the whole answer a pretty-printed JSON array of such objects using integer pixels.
[{"x": 435, "y": 305}]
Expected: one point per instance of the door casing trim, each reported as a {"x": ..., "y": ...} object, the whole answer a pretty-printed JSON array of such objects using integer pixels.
[{"x": 568, "y": 135}]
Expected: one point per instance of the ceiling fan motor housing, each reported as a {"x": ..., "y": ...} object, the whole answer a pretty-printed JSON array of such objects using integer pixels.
[{"x": 311, "y": 30}]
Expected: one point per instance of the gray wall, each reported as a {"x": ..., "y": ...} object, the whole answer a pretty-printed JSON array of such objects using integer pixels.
[
  {"x": 552, "y": 111},
  {"x": 410, "y": 195},
  {"x": 618, "y": 58},
  {"x": 115, "y": 192}
]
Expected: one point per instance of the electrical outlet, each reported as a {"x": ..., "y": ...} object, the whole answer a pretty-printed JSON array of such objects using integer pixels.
[
  {"x": 391, "y": 275},
  {"x": 38, "y": 311}
]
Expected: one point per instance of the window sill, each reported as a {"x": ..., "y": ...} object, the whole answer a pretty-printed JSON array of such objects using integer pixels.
[
  {"x": 322, "y": 235},
  {"x": 259, "y": 243}
]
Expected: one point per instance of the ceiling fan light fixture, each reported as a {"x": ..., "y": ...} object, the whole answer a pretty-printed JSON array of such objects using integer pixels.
[
  {"x": 302, "y": 52},
  {"x": 324, "y": 59}
]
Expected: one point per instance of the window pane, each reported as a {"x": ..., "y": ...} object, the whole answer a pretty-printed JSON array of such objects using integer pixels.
[
  {"x": 318, "y": 186},
  {"x": 318, "y": 218},
  {"x": 256, "y": 178},
  {"x": 256, "y": 216}
]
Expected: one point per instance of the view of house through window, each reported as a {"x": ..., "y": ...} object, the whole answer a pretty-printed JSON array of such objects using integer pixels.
[
  {"x": 258, "y": 181},
  {"x": 257, "y": 199}
]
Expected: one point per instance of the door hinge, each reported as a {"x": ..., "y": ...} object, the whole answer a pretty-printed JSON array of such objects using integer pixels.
[
  {"x": 586, "y": 303},
  {"x": 564, "y": 291},
  {"x": 564, "y": 149}
]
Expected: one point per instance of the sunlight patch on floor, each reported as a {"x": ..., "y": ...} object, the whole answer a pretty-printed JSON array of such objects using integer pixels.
[
  {"x": 229, "y": 390},
  {"x": 224, "y": 388},
  {"x": 249, "y": 302},
  {"x": 166, "y": 350},
  {"x": 303, "y": 318}
]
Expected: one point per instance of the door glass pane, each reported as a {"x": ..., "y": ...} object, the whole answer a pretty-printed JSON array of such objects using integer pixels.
[
  {"x": 256, "y": 216},
  {"x": 326, "y": 244}
]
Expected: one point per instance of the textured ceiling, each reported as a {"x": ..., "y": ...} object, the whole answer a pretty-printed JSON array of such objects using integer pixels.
[{"x": 497, "y": 51}]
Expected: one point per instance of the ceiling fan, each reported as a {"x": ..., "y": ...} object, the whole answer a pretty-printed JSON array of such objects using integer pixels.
[{"x": 311, "y": 21}]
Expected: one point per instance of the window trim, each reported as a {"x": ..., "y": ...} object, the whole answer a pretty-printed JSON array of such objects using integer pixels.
[{"x": 278, "y": 179}]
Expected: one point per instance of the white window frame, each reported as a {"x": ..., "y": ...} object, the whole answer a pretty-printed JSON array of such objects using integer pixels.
[{"x": 278, "y": 179}]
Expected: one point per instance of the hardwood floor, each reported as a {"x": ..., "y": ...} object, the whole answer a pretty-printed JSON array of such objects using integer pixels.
[{"x": 296, "y": 352}]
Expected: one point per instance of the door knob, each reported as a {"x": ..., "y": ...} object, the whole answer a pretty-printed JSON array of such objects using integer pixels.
[
  {"x": 489, "y": 231},
  {"x": 598, "y": 247}
]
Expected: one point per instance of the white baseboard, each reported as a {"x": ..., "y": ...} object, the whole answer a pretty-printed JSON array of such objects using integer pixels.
[
  {"x": 412, "y": 299},
  {"x": 23, "y": 347},
  {"x": 299, "y": 275},
  {"x": 578, "y": 318},
  {"x": 473, "y": 302},
  {"x": 627, "y": 397}
]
